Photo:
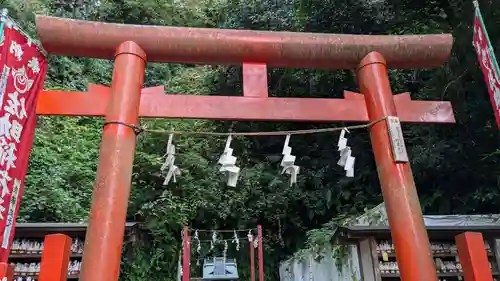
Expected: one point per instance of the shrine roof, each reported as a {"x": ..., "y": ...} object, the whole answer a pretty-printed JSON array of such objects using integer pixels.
[
  {"x": 41, "y": 229},
  {"x": 435, "y": 231},
  {"x": 375, "y": 223}
]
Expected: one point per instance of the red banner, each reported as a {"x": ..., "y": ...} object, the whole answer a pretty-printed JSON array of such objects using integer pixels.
[
  {"x": 22, "y": 74},
  {"x": 487, "y": 62}
]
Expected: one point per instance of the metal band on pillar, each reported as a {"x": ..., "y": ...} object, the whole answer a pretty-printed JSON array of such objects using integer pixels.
[{"x": 136, "y": 129}]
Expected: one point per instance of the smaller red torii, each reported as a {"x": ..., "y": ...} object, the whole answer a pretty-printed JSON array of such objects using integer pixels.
[
  {"x": 186, "y": 254},
  {"x": 126, "y": 100}
]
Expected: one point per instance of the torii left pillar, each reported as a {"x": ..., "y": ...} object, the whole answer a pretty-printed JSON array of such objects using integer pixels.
[{"x": 112, "y": 187}]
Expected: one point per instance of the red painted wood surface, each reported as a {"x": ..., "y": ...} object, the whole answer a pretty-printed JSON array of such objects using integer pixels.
[
  {"x": 252, "y": 260},
  {"x": 104, "y": 238},
  {"x": 186, "y": 254},
  {"x": 473, "y": 257},
  {"x": 155, "y": 104},
  {"x": 255, "y": 80},
  {"x": 260, "y": 251},
  {"x": 413, "y": 252},
  {"x": 6, "y": 271},
  {"x": 55, "y": 258},
  {"x": 69, "y": 37}
]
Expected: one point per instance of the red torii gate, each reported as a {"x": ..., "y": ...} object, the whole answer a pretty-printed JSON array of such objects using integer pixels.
[{"x": 126, "y": 100}]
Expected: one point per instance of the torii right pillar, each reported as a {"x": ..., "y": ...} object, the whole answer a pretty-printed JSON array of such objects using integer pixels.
[{"x": 406, "y": 222}]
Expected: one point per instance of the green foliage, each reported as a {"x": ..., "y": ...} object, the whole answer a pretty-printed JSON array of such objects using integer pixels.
[
  {"x": 62, "y": 169},
  {"x": 455, "y": 166}
]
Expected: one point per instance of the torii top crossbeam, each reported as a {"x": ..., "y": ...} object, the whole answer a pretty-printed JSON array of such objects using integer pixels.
[
  {"x": 132, "y": 46},
  {"x": 221, "y": 46}
]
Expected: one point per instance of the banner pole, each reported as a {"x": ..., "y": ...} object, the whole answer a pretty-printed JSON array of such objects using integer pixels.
[
  {"x": 490, "y": 47},
  {"x": 3, "y": 19}
]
